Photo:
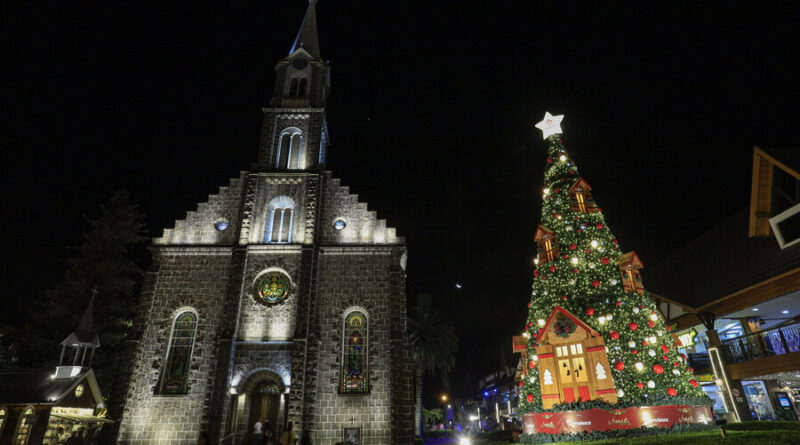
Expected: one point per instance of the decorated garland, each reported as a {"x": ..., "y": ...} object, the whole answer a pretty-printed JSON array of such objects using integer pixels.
[{"x": 564, "y": 327}]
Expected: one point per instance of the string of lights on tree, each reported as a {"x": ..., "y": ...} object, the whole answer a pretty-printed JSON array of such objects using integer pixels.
[{"x": 581, "y": 268}]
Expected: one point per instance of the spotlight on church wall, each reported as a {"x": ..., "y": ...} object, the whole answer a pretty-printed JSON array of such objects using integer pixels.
[{"x": 233, "y": 390}]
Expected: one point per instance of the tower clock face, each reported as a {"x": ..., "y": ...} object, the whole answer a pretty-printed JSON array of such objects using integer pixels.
[{"x": 300, "y": 63}]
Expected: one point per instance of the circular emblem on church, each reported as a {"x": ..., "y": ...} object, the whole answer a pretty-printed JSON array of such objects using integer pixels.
[
  {"x": 339, "y": 224},
  {"x": 272, "y": 288},
  {"x": 221, "y": 224},
  {"x": 79, "y": 391},
  {"x": 300, "y": 63}
]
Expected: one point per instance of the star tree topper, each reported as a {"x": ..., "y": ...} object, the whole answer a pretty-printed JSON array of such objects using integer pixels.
[{"x": 550, "y": 125}]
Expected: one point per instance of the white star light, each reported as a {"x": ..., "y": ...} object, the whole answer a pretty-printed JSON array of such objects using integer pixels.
[{"x": 550, "y": 125}]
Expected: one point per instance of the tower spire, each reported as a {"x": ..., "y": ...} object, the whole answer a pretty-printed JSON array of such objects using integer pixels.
[{"x": 307, "y": 35}]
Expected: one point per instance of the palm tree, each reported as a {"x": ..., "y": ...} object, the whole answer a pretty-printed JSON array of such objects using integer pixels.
[{"x": 433, "y": 344}]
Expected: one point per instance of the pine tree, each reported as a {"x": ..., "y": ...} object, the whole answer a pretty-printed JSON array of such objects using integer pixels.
[{"x": 578, "y": 269}]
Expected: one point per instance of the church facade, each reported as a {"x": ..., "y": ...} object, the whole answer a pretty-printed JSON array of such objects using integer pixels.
[{"x": 281, "y": 297}]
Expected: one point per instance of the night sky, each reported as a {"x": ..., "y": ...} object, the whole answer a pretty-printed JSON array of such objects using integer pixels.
[{"x": 431, "y": 117}]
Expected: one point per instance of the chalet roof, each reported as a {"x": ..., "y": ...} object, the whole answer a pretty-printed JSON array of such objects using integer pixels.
[
  {"x": 28, "y": 387},
  {"x": 718, "y": 263}
]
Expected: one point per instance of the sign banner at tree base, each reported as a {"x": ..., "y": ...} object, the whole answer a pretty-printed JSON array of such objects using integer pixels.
[{"x": 597, "y": 419}]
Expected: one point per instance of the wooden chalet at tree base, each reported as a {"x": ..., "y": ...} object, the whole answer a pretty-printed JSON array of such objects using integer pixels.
[{"x": 573, "y": 367}]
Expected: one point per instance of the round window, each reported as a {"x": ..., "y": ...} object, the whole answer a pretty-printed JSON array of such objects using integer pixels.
[
  {"x": 221, "y": 224},
  {"x": 78, "y": 391},
  {"x": 339, "y": 224},
  {"x": 272, "y": 288}
]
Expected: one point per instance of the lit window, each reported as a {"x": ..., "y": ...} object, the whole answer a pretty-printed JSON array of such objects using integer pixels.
[
  {"x": 289, "y": 149},
  {"x": 580, "y": 195},
  {"x": 354, "y": 371},
  {"x": 175, "y": 375},
  {"x": 280, "y": 220},
  {"x": 547, "y": 245},
  {"x": 24, "y": 430},
  {"x": 298, "y": 87}
]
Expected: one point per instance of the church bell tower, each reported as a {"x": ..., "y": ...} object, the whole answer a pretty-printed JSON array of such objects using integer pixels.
[{"x": 295, "y": 133}]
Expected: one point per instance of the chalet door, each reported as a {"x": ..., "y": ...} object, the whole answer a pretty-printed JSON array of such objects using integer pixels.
[{"x": 572, "y": 373}]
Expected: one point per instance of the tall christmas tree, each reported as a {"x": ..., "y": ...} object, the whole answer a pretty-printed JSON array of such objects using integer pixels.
[{"x": 595, "y": 338}]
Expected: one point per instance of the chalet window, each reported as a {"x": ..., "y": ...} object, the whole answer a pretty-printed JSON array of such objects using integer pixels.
[
  {"x": 354, "y": 373},
  {"x": 629, "y": 267},
  {"x": 580, "y": 195},
  {"x": 546, "y": 244},
  {"x": 175, "y": 375},
  {"x": 289, "y": 149}
]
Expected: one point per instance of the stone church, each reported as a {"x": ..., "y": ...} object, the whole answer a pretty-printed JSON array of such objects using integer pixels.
[{"x": 281, "y": 297}]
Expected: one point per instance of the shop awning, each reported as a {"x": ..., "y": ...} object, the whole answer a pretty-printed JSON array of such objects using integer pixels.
[{"x": 82, "y": 418}]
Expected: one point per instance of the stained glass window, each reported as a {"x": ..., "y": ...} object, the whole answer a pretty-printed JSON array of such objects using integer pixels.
[
  {"x": 354, "y": 374},
  {"x": 175, "y": 375},
  {"x": 273, "y": 288},
  {"x": 24, "y": 430}
]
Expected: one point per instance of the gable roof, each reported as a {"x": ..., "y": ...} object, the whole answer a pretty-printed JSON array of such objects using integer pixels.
[
  {"x": 718, "y": 263},
  {"x": 580, "y": 183},
  {"x": 37, "y": 387},
  {"x": 568, "y": 314},
  {"x": 630, "y": 259},
  {"x": 541, "y": 231}
]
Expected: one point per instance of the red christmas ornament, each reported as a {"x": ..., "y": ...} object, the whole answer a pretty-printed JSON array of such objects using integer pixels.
[
  {"x": 669, "y": 328},
  {"x": 549, "y": 160},
  {"x": 530, "y": 325},
  {"x": 633, "y": 326},
  {"x": 614, "y": 335},
  {"x": 579, "y": 230},
  {"x": 529, "y": 397},
  {"x": 615, "y": 242},
  {"x": 563, "y": 297},
  {"x": 619, "y": 303},
  {"x": 589, "y": 311},
  {"x": 576, "y": 218},
  {"x": 552, "y": 268},
  {"x": 658, "y": 369},
  {"x": 604, "y": 260},
  {"x": 532, "y": 364},
  {"x": 565, "y": 256},
  {"x": 572, "y": 172},
  {"x": 588, "y": 251},
  {"x": 572, "y": 247},
  {"x": 634, "y": 352},
  {"x": 693, "y": 382},
  {"x": 644, "y": 343},
  {"x": 555, "y": 215},
  {"x": 619, "y": 366},
  {"x": 557, "y": 190},
  {"x": 529, "y": 305},
  {"x": 639, "y": 385},
  {"x": 664, "y": 357},
  {"x": 665, "y": 349},
  {"x": 599, "y": 226},
  {"x": 676, "y": 364},
  {"x": 690, "y": 369},
  {"x": 520, "y": 384},
  {"x": 574, "y": 270},
  {"x": 651, "y": 323},
  {"x": 672, "y": 392},
  {"x": 536, "y": 273},
  {"x": 595, "y": 283}
]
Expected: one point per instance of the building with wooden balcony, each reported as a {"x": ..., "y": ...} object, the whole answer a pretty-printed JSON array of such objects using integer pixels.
[{"x": 732, "y": 296}]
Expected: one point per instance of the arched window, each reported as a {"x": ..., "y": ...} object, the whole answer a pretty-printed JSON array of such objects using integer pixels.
[
  {"x": 289, "y": 148},
  {"x": 298, "y": 86},
  {"x": 354, "y": 373},
  {"x": 175, "y": 375},
  {"x": 3, "y": 415},
  {"x": 26, "y": 421},
  {"x": 280, "y": 220}
]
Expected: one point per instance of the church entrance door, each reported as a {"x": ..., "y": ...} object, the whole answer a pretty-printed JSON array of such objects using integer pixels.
[{"x": 265, "y": 403}]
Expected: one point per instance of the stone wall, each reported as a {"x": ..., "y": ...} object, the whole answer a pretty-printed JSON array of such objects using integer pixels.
[
  {"x": 354, "y": 278},
  {"x": 185, "y": 278}
]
